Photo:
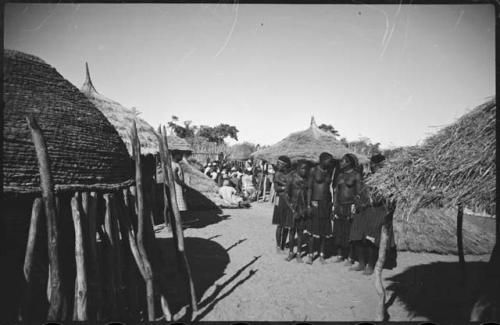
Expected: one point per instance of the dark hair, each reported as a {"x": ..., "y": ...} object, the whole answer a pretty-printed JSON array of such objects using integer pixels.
[
  {"x": 377, "y": 158},
  {"x": 285, "y": 159},
  {"x": 324, "y": 156},
  {"x": 352, "y": 159}
]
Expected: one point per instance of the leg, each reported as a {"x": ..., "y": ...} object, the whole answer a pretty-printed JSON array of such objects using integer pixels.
[
  {"x": 310, "y": 247},
  {"x": 372, "y": 252},
  {"x": 291, "y": 242},
  {"x": 322, "y": 241},
  {"x": 359, "y": 249},
  {"x": 300, "y": 235},
  {"x": 278, "y": 237},
  {"x": 284, "y": 234}
]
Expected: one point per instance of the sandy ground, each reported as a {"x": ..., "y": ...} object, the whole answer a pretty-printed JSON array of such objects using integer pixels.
[{"x": 239, "y": 276}]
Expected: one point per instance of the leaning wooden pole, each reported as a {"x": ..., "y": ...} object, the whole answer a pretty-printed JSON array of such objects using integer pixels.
[
  {"x": 47, "y": 187},
  {"x": 168, "y": 216},
  {"x": 379, "y": 266},
  {"x": 163, "y": 170},
  {"x": 36, "y": 211},
  {"x": 81, "y": 274},
  {"x": 178, "y": 224},
  {"x": 460, "y": 243},
  {"x": 141, "y": 222}
]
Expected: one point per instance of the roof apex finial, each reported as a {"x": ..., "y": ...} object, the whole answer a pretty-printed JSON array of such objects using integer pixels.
[
  {"x": 313, "y": 121},
  {"x": 88, "y": 86}
]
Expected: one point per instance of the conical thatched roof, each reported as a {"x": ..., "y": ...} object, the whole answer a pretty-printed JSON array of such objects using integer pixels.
[
  {"x": 241, "y": 151},
  {"x": 457, "y": 164},
  {"x": 122, "y": 117},
  {"x": 85, "y": 151},
  {"x": 307, "y": 144}
]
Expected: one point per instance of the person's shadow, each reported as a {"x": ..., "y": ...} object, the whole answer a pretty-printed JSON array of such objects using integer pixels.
[{"x": 437, "y": 290}]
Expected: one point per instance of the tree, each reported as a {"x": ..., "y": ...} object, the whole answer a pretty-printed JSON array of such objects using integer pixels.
[
  {"x": 329, "y": 128},
  {"x": 218, "y": 133},
  {"x": 186, "y": 131}
]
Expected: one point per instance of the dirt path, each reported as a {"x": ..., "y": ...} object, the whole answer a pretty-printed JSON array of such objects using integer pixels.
[{"x": 239, "y": 276}]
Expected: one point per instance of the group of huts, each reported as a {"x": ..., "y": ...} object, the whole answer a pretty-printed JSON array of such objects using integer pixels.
[
  {"x": 79, "y": 201},
  {"x": 90, "y": 141}
]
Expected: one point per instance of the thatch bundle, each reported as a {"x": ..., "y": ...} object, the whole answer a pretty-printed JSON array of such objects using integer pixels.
[
  {"x": 456, "y": 165},
  {"x": 86, "y": 152},
  {"x": 308, "y": 145},
  {"x": 241, "y": 151},
  {"x": 437, "y": 233}
]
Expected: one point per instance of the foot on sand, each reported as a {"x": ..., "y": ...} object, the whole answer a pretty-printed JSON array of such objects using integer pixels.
[
  {"x": 299, "y": 258},
  {"x": 357, "y": 267},
  {"x": 322, "y": 259},
  {"x": 338, "y": 259},
  {"x": 290, "y": 257},
  {"x": 368, "y": 270},
  {"x": 348, "y": 262},
  {"x": 309, "y": 259}
]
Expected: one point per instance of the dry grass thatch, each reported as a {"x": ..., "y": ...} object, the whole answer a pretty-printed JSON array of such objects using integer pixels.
[
  {"x": 122, "y": 117},
  {"x": 437, "y": 233},
  {"x": 241, "y": 151},
  {"x": 308, "y": 145},
  {"x": 456, "y": 165},
  {"x": 201, "y": 183},
  {"x": 85, "y": 151}
]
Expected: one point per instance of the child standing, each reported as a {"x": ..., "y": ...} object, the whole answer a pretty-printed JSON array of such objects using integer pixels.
[
  {"x": 280, "y": 206},
  {"x": 296, "y": 196}
]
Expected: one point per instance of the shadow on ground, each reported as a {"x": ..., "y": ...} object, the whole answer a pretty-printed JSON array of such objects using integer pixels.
[
  {"x": 197, "y": 201},
  {"x": 436, "y": 290},
  {"x": 207, "y": 260}
]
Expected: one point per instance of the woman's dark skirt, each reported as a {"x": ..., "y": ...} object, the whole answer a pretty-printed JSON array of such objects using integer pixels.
[
  {"x": 342, "y": 225},
  {"x": 319, "y": 223},
  {"x": 368, "y": 223},
  {"x": 291, "y": 221},
  {"x": 280, "y": 211}
]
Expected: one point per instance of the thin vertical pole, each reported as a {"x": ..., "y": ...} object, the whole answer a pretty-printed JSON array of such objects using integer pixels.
[{"x": 47, "y": 187}]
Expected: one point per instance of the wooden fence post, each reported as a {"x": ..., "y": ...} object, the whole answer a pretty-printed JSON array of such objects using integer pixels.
[
  {"x": 178, "y": 224},
  {"x": 141, "y": 221},
  {"x": 47, "y": 187},
  {"x": 460, "y": 244},
  {"x": 81, "y": 274},
  {"x": 379, "y": 285}
]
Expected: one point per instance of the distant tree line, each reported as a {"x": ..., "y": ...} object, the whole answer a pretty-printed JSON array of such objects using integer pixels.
[{"x": 215, "y": 134}]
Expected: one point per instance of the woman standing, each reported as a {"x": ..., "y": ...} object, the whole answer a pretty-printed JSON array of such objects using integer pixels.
[
  {"x": 347, "y": 189},
  {"x": 319, "y": 203},
  {"x": 280, "y": 206},
  {"x": 295, "y": 219},
  {"x": 373, "y": 211}
]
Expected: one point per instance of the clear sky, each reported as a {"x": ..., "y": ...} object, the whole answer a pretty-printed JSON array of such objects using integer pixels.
[{"x": 388, "y": 72}]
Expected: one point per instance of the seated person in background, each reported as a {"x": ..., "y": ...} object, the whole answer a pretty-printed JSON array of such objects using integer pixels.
[
  {"x": 228, "y": 194},
  {"x": 247, "y": 185}
]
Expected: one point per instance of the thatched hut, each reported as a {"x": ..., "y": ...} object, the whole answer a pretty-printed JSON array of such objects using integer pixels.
[
  {"x": 87, "y": 161},
  {"x": 456, "y": 165},
  {"x": 308, "y": 145},
  {"x": 455, "y": 168},
  {"x": 122, "y": 117}
]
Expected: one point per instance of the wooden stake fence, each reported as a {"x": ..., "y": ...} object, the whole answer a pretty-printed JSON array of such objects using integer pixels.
[
  {"x": 177, "y": 225},
  {"x": 47, "y": 187},
  {"x": 141, "y": 224}
]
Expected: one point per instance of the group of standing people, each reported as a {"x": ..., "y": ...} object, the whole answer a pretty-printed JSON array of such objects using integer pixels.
[{"x": 329, "y": 201}]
